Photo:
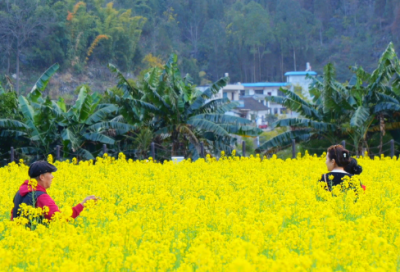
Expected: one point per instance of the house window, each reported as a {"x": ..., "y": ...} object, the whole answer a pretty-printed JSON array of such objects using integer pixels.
[
  {"x": 242, "y": 92},
  {"x": 269, "y": 93},
  {"x": 225, "y": 95},
  {"x": 259, "y": 91},
  {"x": 233, "y": 95},
  {"x": 275, "y": 111},
  {"x": 283, "y": 110}
]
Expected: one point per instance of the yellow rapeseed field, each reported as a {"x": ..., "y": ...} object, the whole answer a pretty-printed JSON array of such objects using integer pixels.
[{"x": 229, "y": 215}]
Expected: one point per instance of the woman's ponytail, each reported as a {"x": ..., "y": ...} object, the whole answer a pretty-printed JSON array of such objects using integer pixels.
[{"x": 353, "y": 167}]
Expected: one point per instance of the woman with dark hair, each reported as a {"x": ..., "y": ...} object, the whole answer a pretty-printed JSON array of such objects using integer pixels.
[{"x": 337, "y": 158}]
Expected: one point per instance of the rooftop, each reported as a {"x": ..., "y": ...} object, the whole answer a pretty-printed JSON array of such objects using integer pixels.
[
  {"x": 301, "y": 73},
  {"x": 266, "y": 84},
  {"x": 250, "y": 103}
]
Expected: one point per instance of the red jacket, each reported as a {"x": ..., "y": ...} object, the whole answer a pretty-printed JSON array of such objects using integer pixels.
[{"x": 46, "y": 200}]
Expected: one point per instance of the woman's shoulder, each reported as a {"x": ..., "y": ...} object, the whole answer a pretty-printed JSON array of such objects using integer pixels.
[
  {"x": 335, "y": 175},
  {"x": 339, "y": 174}
]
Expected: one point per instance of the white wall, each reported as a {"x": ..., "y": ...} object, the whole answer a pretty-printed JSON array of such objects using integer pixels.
[{"x": 302, "y": 82}]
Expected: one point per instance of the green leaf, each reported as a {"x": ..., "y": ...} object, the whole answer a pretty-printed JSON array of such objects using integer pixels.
[
  {"x": 222, "y": 106},
  {"x": 387, "y": 106},
  {"x": 101, "y": 114},
  {"x": 124, "y": 84},
  {"x": 207, "y": 94},
  {"x": 61, "y": 104},
  {"x": 69, "y": 138},
  {"x": 12, "y": 124},
  {"x": 222, "y": 118},
  {"x": 87, "y": 155},
  {"x": 284, "y": 139},
  {"x": 98, "y": 137},
  {"x": 111, "y": 125},
  {"x": 83, "y": 105},
  {"x": 44, "y": 79},
  {"x": 359, "y": 117},
  {"x": 11, "y": 133},
  {"x": 303, "y": 122},
  {"x": 206, "y": 125},
  {"x": 26, "y": 109},
  {"x": 242, "y": 130}
]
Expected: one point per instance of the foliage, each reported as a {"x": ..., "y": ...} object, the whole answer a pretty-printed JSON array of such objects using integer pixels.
[
  {"x": 252, "y": 40},
  {"x": 349, "y": 110},
  {"x": 170, "y": 105}
]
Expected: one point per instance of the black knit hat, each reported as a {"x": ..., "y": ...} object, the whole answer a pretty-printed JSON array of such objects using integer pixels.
[{"x": 40, "y": 167}]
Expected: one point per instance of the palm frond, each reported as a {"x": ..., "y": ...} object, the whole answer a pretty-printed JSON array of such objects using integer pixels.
[
  {"x": 359, "y": 117},
  {"x": 284, "y": 139},
  {"x": 303, "y": 122},
  {"x": 207, "y": 94},
  {"x": 206, "y": 125},
  {"x": 44, "y": 79}
]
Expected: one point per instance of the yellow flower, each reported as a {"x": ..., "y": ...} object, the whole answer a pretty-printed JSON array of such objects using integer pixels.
[{"x": 232, "y": 214}]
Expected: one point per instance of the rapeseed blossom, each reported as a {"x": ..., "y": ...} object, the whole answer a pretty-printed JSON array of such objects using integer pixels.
[{"x": 231, "y": 214}]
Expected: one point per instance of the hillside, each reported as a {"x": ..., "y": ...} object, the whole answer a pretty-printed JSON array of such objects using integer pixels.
[{"x": 251, "y": 40}]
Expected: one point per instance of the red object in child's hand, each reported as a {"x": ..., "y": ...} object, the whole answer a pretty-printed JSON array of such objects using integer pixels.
[{"x": 364, "y": 187}]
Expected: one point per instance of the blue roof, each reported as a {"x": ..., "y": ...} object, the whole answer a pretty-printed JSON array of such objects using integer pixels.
[
  {"x": 302, "y": 73},
  {"x": 266, "y": 84}
]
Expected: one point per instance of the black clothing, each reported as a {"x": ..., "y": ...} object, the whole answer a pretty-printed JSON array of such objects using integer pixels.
[
  {"x": 337, "y": 178},
  {"x": 27, "y": 199}
]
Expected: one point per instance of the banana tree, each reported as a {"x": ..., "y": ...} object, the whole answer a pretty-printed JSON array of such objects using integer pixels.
[
  {"x": 314, "y": 122},
  {"x": 86, "y": 124},
  {"x": 37, "y": 128},
  {"x": 343, "y": 110},
  {"x": 47, "y": 123},
  {"x": 171, "y": 106}
]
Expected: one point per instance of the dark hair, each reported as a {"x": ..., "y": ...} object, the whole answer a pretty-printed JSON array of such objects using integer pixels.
[
  {"x": 339, "y": 154},
  {"x": 353, "y": 167}
]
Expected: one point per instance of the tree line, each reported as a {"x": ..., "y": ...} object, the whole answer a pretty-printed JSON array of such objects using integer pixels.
[
  {"x": 162, "y": 107},
  {"x": 251, "y": 40},
  {"x": 165, "y": 108}
]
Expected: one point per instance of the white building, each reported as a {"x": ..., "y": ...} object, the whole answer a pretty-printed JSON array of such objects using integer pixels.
[
  {"x": 252, "y": 109},
  {"x": 242, "y": 92},
  {"x": 300, "y": 79},
  {"x": 262, "y": 89}
]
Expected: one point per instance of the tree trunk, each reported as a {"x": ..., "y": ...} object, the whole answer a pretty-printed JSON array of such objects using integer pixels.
[
  {"x": 294, "y": 59},
  {"x": 17, "y": 86},
  {"x": 175, "y": 143},
  {"x": 254, "y": 67},
  {"x": 259, "y": 63},
  {"x": 320, "y": 36},
  {"x": 281, "y": 63},
  {"x": 382, "y": 132},
  {"x": 8, "y": 55}
]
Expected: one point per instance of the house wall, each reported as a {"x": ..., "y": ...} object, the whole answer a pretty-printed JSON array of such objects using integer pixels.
[
  {"x": 259, "y": 116},
  {"x": 301, "y": 81}
]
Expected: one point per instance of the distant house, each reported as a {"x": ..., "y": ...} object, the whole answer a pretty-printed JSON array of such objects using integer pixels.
[
  {"x": 262, "y": 89},
  {"x": 251, "y": 96},
  {"x": 252, "y": 109}
]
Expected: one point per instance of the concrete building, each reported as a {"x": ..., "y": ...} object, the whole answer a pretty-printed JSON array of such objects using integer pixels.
[
  {"x": 243, "y": 92},
  {"x": 252, "y": 109},
  {"x": 262, "y": 89}
]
